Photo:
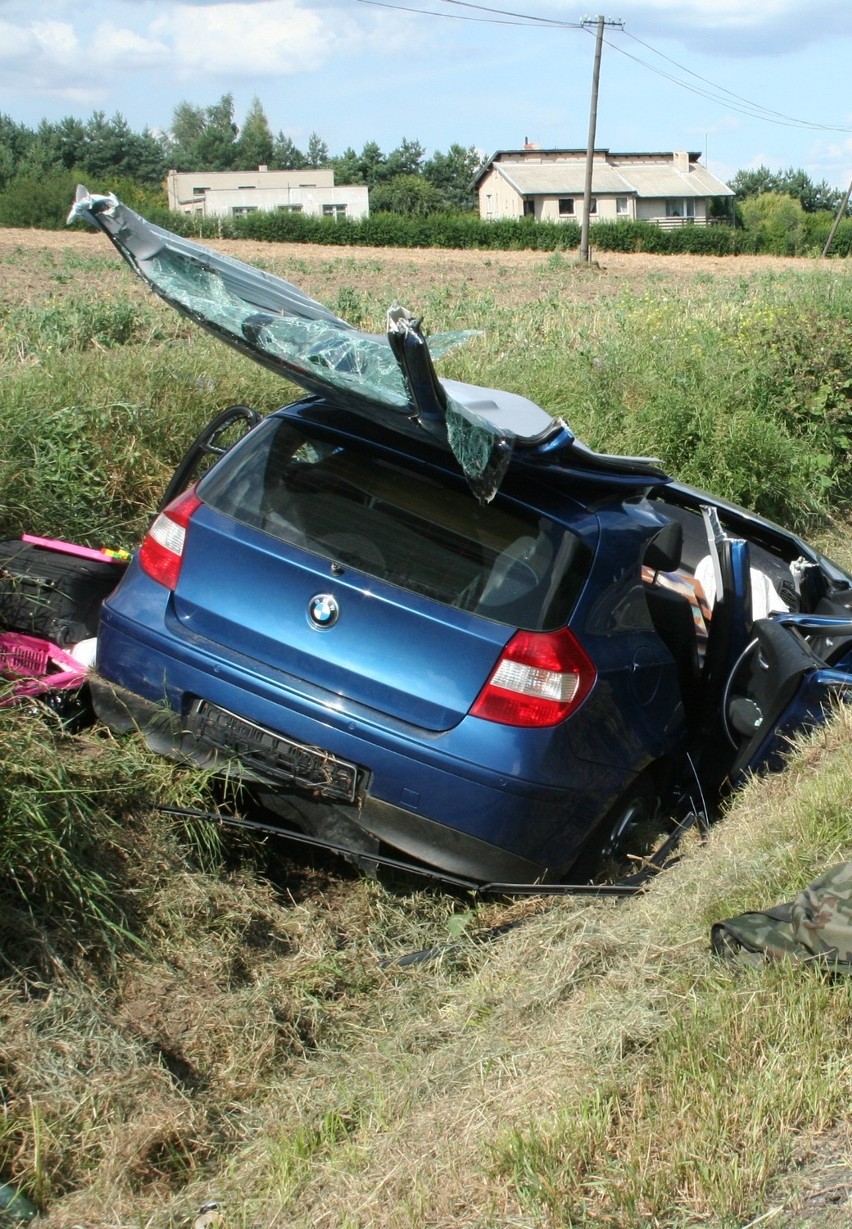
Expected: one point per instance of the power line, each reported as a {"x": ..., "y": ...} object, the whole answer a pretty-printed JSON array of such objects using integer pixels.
[
  {"x": 404, "y": 8},
  {"x": 715, "y": 93},
  {"x": 718, "y": 93},
  {"x": 528, "y": 17},
  {"x": 498, "y": 18}
]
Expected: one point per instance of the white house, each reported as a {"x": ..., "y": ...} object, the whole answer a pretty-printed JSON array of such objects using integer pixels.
[
  {"x": 670, "y": 189},
  {"x": 228, "y": 194}
]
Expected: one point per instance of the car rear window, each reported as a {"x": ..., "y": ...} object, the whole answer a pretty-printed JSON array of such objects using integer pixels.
[{"x": 395, "y": 519}]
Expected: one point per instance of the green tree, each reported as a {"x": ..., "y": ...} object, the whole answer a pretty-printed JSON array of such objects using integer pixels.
[
  {"x": 255, "y": 143},
  {"x": 778, "y": 220},
  {"x": 754, "y": 182},
  {"x": 111, "y": 149},
  {"x": 217, "y": 146},
  {"x": 793, "y": 182},
  {"x": 406, "y": 159},
  {"x": 148, "y": 158},
  {"x": 188, "y": 124},
  {"x": 347, "y": 167},
  {"x": 107, "y": 145},
  {"x": 316, "y": 154},
  {"x": 812, "y": 196},
  {"x": 204, "y": 140},
  {"x": 411, "y": 195},
  {"x": 286, "y": 156},
  {"x": 54, "y": 147},
  {"x": 68, "y": 140},
  {"x": 452, "y": 174},
  {"x": 15, "y": 143},
  {"x": 372, "y": 163}
]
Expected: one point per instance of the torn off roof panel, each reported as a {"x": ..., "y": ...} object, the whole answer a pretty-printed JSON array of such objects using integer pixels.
[{"x": 391, "y": 377}]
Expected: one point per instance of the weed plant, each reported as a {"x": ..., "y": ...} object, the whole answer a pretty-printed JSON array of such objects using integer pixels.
[
  {"x": 740, "y": 388},
  {"x": 91, "y": 438},
  {"x": 66, "y": 799}
]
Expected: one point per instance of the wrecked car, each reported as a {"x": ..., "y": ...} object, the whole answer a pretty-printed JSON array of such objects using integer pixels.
[{"x": 422, "y": 616}]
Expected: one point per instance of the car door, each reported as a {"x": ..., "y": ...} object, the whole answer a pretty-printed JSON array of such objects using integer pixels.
[{"x": 729, "y": 633}]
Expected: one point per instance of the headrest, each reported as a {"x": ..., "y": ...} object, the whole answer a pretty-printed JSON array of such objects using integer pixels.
[{"x": 663, "y": 552}]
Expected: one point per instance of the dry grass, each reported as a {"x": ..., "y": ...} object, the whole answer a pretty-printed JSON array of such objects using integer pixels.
[
  {"x": 38, "y": 262},
  {"x": 596, "y": 1066}
]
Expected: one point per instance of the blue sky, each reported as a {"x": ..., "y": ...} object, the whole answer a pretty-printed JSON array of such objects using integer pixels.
[{"x": 356, "y": 72}]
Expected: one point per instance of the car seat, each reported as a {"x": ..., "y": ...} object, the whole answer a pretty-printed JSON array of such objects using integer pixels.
[{"x": 672, "y": 611}]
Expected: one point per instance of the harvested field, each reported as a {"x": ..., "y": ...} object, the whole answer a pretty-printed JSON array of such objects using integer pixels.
[{"x": 26, "y": 257}]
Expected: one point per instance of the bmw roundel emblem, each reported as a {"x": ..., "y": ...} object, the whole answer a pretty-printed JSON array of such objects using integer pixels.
[{"x": 323, "y": 610}]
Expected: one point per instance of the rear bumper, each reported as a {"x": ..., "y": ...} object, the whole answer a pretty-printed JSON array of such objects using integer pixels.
[
  {"x": 417, "y": 836},
  {"x": 480, "y": 800}
]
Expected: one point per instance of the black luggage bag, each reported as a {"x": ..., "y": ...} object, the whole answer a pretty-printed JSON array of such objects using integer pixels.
[{"x": 49, "y": 593}]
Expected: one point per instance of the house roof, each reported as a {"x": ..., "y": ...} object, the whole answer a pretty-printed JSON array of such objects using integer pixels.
[
  {"x": 613, "y": 174},
  {"x": 561, "y": 178},
  {"x": 650, "y": 180}
]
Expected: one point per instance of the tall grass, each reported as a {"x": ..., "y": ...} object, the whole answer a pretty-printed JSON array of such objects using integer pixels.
[
  {"x": 741, "y": 386},
  {"x": 66, "y": 801},
  {"x": 91, "y": 437}
]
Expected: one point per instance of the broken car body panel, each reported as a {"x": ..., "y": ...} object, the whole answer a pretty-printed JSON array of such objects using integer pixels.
[{"x": 275, "y": 323}]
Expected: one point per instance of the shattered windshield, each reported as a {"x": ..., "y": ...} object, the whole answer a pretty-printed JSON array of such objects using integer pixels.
[{"x": 275, "y": 323}]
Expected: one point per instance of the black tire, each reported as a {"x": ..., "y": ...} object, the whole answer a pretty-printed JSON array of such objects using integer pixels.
[{"x": 636, "y": 808}]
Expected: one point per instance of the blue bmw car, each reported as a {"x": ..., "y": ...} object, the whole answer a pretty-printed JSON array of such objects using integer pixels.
[{"x": 421, "y": 617}]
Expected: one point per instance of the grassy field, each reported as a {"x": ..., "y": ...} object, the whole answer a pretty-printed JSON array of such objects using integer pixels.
[{"x": 186, "y": 1015}]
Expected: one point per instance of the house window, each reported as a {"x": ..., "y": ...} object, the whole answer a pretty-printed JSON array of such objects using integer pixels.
[
  {"x": 566, "y": 206},
  {"x": 680, "y": 208},
  {"x": 199, "y": 191},
  {"x": 529, "y": 209},
  {"x": 621, "y": 205},
  {"x": 239, "y": 211},
  {"x": 288, "y": 208},
  {"x": 334, "y": 211}
]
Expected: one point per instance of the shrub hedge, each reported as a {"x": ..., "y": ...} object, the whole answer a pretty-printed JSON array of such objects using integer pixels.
[{"x": 44, "y": 203}]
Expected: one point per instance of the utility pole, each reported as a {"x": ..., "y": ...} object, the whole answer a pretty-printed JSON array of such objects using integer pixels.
[
  {"x": 593, "y": 123},
  {"x": 840, "y": 214}
]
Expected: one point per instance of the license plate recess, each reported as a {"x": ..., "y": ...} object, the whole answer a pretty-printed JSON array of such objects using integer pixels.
[{"x": 272, "y": 756}]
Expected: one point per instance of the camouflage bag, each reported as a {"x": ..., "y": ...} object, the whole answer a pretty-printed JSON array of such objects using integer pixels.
[{"x": 816, "y": 926}]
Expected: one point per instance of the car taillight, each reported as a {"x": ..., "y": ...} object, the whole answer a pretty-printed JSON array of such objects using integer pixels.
[
  {"x": 161, "y": 554},
  {"x": 540, "y": 679}
]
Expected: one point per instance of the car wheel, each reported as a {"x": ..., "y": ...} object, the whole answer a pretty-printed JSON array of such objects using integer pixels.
[{"x": 635, "y": 810}]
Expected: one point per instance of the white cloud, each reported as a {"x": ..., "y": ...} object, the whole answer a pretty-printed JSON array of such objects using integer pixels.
[
  {"x": 115, "y": 45},
  {"x": 739, "y": 28},
  {"x": 15, "y": 42},
  {"x": 57, "y": 40},
  {"x": 260, "y": 39}
]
